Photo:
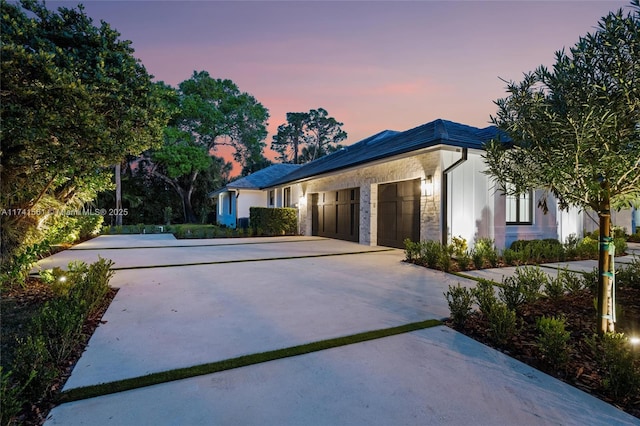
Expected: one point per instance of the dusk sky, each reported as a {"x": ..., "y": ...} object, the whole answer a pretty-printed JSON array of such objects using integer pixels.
[{"x": 372, "y": 65}]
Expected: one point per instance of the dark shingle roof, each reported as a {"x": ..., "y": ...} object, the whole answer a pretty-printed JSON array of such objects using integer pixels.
[
  {"x": 390, "y": 143},
  {"x": 260, "y": 179}
]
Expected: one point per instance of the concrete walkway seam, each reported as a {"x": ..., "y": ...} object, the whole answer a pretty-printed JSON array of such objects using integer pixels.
[
  {"x": 76, "y": 248},
  {"x": 264, "y": 259},
  {"x": 118, "y": 386}
]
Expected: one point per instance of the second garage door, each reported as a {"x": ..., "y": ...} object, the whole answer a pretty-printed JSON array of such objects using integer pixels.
[
  {"x": 398, "y": 213},
  {"x": 336, "y": 214}
]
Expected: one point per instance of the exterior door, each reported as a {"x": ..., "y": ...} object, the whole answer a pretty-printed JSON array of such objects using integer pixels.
[
  {"x": 398, "y": 213},
  {"x": 336, "y": 214}
]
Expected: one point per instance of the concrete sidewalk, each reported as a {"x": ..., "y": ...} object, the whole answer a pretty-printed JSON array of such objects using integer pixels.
[{"x": 171, "y": 317}]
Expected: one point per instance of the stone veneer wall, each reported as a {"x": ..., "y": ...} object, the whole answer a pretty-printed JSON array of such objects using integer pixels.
[{"x": 367, "y": 178}]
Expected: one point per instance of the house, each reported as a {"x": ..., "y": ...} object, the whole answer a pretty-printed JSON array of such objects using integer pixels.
[
  {"x": 426, "y": 183},
  {"x": 233, "y": 201}
]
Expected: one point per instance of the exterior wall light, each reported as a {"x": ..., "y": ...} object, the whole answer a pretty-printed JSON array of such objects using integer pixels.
[{"x": 426, "y": 186}]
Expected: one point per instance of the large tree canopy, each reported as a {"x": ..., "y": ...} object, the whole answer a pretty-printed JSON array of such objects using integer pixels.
[
  {"x": 307, "y": 136},
  {"x": 575, "y": 129},
  {"x": 74, "y": 100},
  {"x": 208, "y": 113}
]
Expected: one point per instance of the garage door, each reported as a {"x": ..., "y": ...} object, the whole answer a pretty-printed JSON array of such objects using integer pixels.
[
  {"x": 336, "y": 214},
  {"x": 398, "y": 213}
]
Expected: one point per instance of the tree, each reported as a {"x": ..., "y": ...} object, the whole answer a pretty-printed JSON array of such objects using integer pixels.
[
  {"x": 307, "y": 136},
  {"x": 575, "y": 132},
  {"x": 74, "y": 101},
  {"x": 207, "y": 113},
  {"x": 179, "y": 164}
]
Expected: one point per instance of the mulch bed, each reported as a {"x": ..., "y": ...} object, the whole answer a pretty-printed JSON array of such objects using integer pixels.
[{"x": 578, "y": 308}]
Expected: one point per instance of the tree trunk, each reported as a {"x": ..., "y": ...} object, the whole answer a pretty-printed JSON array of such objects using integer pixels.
[
  {"x": 118, "y": 196},
  {"x": 605, "y": 304},
  {"x": 189, "y": 215}
]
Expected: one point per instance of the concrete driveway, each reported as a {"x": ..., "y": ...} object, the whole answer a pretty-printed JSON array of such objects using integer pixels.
[{"x": 245, "y": 296}]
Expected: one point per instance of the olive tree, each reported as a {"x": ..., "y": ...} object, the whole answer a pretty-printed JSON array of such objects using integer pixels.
[{"x": 574, "y": 131}]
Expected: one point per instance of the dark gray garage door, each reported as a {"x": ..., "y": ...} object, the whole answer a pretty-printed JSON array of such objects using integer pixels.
[
  {"x": 336, "y": 214},
  {"x": 398, "y": 213}
]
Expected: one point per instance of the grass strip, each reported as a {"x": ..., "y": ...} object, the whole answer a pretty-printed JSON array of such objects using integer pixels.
[
  {"x": 195, "y": 245},
  {"x": 262, "y": 259},
  {"x": 476, "y": 279},
  {"x": 241, "y": 361}
]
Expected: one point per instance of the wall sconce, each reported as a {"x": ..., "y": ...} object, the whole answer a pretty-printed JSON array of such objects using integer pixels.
[{"x": 426, "y": 186}]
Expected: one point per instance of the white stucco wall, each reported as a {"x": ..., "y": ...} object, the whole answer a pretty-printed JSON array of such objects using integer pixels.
[
  {"x": 248, "y": 198},
  {"x": 623, "y": 218},
  {"x": 543, "y": 225},
  {"x": 470, "y": 204}
]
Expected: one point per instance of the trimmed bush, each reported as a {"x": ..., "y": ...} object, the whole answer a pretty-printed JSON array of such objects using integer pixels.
[
  {"x": 274, "y": 221},
  {"x": 56, "y": 330},
  {"x": 553, "y": 340},
  {"x": 460, "y": 301},
  {"x": 629, "y": 275},
  {"x": 616, "y": 359},
  {"x": 502, "y": 323},
  {"x": 511, "y": 293},
  {"x": 484, "y": 295},
  {"x": 554, "y": 287},
  {"x": 531, "y": 279}
]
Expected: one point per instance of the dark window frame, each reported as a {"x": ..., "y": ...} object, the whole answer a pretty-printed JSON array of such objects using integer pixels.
[{"x": 517, "y": 199}]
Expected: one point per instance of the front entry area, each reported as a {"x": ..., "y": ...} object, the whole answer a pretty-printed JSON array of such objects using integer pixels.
[
  {"x": 336, "y": 214},
  {"x": 398, "y": 213}
]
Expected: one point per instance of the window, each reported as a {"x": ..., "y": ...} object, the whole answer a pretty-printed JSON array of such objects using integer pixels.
[
  {"x": 287, "y": 197},
  {"x": 230, "y": 202},
  {"x": 519, "y": 209},
  {"x": 271, "y": 197}
]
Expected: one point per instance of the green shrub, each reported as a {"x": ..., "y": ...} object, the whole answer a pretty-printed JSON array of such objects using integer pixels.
[
  {"x": 616, "y": 358},
  {"x": 590, "y": 280},
  {"x": 531, "y": 279},
  {"x": 15, "y": 271},
  {"x": 458, "y": 246},
  {"x": 91, "y": 284},
  {"x": 484, "y": 295},
  {"x": 477, "y": 258},
  {"x": 444, "y": 259},
  {"x": 571, "y": 281},
  {"x": 411, "y": 250},
  {"x": 588, "y": 248},
  {"x": 553, "y": 340},
  {"x": 33, "y": 368},
  {"x": 274, "y": 221},
  {"x": 487, "y": 250},
  {"x": 12, "y": 396},
  {"x": 59, "y": 322},
  {"x": 510, "y": 257},
  {"x": 510, "y": 293},
  {"x": 502, "y": 323},
  {"x": 620, "y": 244},
  {"x": 629, "y": 275},
  {"x": 519, "y": 245},
  {"x": 460, "y": 301},
  {"x": 464, "y": 261},
  {"x": 90, "y": 225},
  {"x": 554, "y": 287}
]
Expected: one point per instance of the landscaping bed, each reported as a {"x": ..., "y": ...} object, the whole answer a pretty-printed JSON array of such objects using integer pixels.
[
  {"x": 582, "y": 370},
  {"x": 19, "y": 306}
]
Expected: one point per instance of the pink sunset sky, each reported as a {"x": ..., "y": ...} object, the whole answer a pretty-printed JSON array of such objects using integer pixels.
[{"x": 372, "y": 65}]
